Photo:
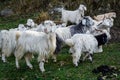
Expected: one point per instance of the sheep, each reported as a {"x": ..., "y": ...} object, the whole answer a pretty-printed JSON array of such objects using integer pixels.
[
  {"x": 73, "y": 16},
  {"x": 31, "y": 42},
  {"x": 85, "y": 43},
  {"x": 106, "y": 15}
]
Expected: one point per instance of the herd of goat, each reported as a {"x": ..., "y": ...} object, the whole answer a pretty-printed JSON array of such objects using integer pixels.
[{"x": 46, "y": 39}]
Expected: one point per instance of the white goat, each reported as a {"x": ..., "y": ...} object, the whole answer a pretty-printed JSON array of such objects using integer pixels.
[
  {"x": 73, "y": 16},
  {"x": 49, "y": 25},
  {"x": 35, "y": 42},
  {"x": 106, "y": 23},
  {"x": 21, "y": 27},
  {"x": 85, "y": 43},
  {"x": 8, "y": 43},
  {"x": 31, "y": 24},
  {"x": 8, "y": 40},
  {"x": 106, "y": 15},
  {"x": 0, "y": 39}
]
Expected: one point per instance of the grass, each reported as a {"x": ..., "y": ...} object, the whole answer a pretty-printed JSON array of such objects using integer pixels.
[
  {"x": 13, "y": 21},
  {"x": 63, "y": 69}
]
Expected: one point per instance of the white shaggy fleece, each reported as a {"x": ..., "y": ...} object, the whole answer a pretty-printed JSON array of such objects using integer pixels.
[
  {"x": 73, "y": 16},
  {"x": 35, "y": 42},
  {"x": 8, "y": 43},
  {"x": 83, "y": 43}
]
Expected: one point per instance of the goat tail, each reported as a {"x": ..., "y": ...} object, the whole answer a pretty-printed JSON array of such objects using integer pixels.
[
  {"x": 69, "y": 42},
  {"x": 17, "y": 35},
  {"x": 52, "y": 42}
]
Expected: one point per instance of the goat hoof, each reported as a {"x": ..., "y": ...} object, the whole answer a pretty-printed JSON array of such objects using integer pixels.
[
  {"x": 43, "y": 71},
  {"x": 54, "y": 61},
  {"x": 31, "y": 67},
  {"x": 46, "y": 61},
  {"x": 4, "y": 61},
  {"x": 18, "y": 67},
  {"x": 33, "y": 57},
  {"x": 91, "y": 61},
  {"x": 76, "y": 65}
]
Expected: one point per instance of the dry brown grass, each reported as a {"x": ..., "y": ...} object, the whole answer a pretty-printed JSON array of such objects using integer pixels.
[
  {"x": 94, "y": 7},
  {"x": 42, "y": 17}
]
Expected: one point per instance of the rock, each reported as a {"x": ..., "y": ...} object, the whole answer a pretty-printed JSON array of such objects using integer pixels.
[{"x": 6, "y": 12}]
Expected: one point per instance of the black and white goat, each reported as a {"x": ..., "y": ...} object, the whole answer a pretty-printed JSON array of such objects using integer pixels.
[
  {"x": 85, "y": 43},
  {"x": 67, "y": 32}
]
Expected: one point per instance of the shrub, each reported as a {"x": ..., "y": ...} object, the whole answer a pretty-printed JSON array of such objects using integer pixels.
[{"x": 42, "y": 17}]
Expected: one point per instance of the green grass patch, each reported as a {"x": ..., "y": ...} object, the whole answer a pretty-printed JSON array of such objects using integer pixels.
[{"x": 15, "y": 20}]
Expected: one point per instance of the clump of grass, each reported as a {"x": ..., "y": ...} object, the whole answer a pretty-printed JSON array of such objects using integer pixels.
[{"x": 42, "y": 17}]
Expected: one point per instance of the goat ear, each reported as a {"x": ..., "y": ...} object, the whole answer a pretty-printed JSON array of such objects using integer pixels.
[
  {"x": 84, "y": 8},
  {"x": 84, "y": 21}
]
